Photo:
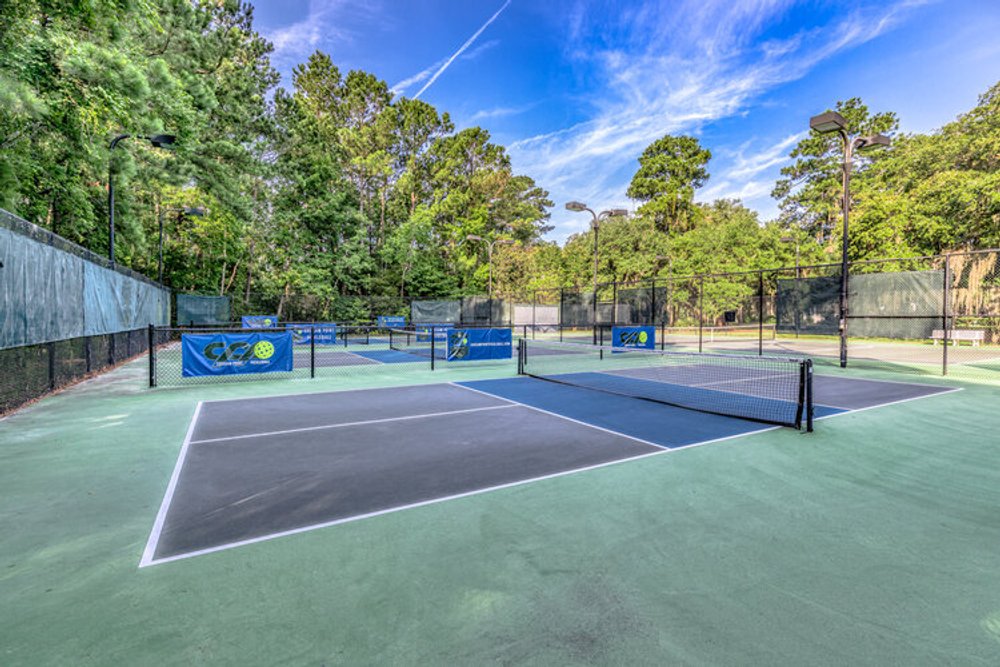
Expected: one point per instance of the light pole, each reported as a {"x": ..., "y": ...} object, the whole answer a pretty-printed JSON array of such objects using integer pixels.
[
  {"x": 596, "y": 222},
  {"x": 825, "y": 123},
  {"x": 185, "y": 210},
  {"x": 489, "y": 251},
  {"x": 157, "y": 140}
]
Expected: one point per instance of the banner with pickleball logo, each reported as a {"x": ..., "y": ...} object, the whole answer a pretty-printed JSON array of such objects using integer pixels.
[
  {"x": 325, "y": 333},
  {"x": 479, "y": 344},
  {"x": 233, "y": 354},
  {"x": 259, "y": 321},
  {"x": 634, "y": 337},
  {"x": 391, "y": 322}
]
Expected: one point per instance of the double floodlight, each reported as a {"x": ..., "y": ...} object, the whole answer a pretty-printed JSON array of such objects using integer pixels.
[{"x": 831, "y": 121}]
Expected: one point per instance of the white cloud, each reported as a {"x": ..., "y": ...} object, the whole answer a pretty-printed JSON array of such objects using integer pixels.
[
  {"x": 672, "y": 68},
  {"x": 498, "y": 112},
  {"x": 325, "y": 23},
  {"x": 439, "y": 69}
]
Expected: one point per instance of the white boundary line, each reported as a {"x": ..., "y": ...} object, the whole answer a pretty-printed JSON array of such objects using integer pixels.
[
  {"x": 161, "y": 515},
  {"x": 368, "y": 515},
  {"x": 322, "y": 393},
  {"x": 322, "y": 427},
  {"x": 849, "y": 411},
  {"x": 617, "y": 433},
  {"x": 564, "y": 417},
  {"x": 147, "y": 558}
]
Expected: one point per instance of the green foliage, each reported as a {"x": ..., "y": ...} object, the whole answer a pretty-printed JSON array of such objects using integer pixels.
[
  {"x": 670, "y": 170},
  {"x": 809, "y": 195},
  {"x": 334, "y": 188}
]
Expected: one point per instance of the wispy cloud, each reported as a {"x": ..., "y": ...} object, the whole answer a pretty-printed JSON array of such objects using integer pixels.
[
  {"x": 671, "y": 67},
  {"x": 422, "y": 75},
  {"x": 481, "y": 49},
  {"x": 325, "y": 23},
  {"x": 499, "y": 112},
  {"x": 469, "y": 42}
]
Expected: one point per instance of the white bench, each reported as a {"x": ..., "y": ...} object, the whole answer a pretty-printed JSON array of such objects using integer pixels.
[{"x": 975, "y": 336}]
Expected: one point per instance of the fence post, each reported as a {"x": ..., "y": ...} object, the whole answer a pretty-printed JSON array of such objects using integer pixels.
[
  {"x": 614, "y": 303},
  {"x": 945, "y": 312},
  {"x": 760, "y": 314},
  {"x": 52, "y": 365},
  {"x": 652, "y": 304},
  {"x": 701, "y": 309},
  {"x": 312, "y": 351},
  {"x": 433, "y": 343},
  {"x": 152, "y": 355},
  {"x": 562, "y": 298},
  {"x": 534, "y": 302}
]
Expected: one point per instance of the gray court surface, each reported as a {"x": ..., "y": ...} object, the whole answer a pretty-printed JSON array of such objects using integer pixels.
[
  {"x": 258, "y": 468},
  {"x": 856, "y": 394}
]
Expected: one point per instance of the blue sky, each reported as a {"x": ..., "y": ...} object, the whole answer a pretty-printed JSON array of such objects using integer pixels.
[{"x": 575, "y": 89}]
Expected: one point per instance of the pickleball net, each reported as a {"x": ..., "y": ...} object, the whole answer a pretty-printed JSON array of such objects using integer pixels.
[
  {"x": 430, "y": 343},
  {"x": 770, "y": 390}
]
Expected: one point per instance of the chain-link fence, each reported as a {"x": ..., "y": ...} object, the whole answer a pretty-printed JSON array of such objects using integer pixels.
[{"x": 32, "y": 371}]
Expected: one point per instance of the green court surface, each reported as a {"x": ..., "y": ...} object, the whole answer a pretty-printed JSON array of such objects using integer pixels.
[{"x": 873, "y": 541}]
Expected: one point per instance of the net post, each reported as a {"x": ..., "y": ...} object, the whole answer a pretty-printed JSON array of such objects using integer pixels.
[
  {"x": 151, "y": 332},
  {"x": 760, "y": 314},
  {"x": 520, "y": 357},
  {"x": 809, "y": 395},
  {"x": 945, "y": 307},
  {"x": 663, "y": 334},
  {"x": 433, "y": 344},
  {"x": 312, "y": 352}
]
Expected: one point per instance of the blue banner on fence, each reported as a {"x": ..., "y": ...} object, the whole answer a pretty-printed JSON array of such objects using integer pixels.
[
  {"x": 325, "y": 333},
  {"x": 391, "y": 321},
  {"x": 260, "y": 321},
  {"x": 232, "y": 354},
  {"x": 635, "y": 337},
  {"x": 440, "y": 332},
  {"x": 479, "y": 344}
]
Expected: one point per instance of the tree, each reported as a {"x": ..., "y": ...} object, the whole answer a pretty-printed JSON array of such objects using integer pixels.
[
  {"x": 810, "y": 193},
  {"x": 670, "y": 170}
]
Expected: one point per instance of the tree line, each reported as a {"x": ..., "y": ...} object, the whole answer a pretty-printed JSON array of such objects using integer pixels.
[{"x": 334, "y": 186}]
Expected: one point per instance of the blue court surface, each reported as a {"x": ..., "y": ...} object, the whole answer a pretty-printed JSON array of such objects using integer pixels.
[{"x": 256, "y": 469}]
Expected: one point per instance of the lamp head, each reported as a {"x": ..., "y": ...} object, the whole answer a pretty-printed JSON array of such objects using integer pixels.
[
  {"x": 831, "y": 121},
  {"x": 575, "y": 206},
  {"x": 872, "y": 141}
]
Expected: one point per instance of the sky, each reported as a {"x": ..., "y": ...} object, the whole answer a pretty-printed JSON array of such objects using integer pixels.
[{"x": 576, "y": 89}]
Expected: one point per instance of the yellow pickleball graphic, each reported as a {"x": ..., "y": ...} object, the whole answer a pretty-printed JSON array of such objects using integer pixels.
[
  {"x": 643, "y": 337},
  {"x": 263, "y": 350}
]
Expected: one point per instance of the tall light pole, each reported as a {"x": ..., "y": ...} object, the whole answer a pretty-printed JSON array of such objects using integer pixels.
[
  {"x": 185, "y": 210},
  {"x": 825, "y": 123},
  {"x": 489, "y": 251},
  {"x": 596, "y": 222},
  {"x": 157, "y": 140}
]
